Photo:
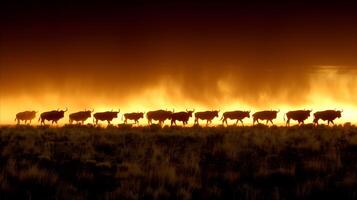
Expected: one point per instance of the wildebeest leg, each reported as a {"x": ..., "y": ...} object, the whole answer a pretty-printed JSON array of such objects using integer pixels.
[
  {"x": 267, "y": 122},
  {"x": 196, "y": 121},
  {"x": 271, "y": 122},
  {"x": 30, "y": 121},
  {"x": 332, "y": 122},
  {"x": 241, "y": 121},
  {"x": 108, "y": 122},
  {"x": 288, "y": 122}
]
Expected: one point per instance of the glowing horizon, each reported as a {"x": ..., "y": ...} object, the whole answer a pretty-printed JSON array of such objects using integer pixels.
[{"x": 322, "y": 95}]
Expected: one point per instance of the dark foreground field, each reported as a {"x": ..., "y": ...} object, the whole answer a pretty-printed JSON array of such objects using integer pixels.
[{"x": 178, "y": 163}]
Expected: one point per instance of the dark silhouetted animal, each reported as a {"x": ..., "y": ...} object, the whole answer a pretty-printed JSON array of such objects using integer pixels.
[
  {"x": 105, "y": 116},
  {"x": 327, "y": 115},
  {"x": 158, "y": 115},
  {"x": 181, "y": 116},
  {"x": 298, "y": 115},
  {"x": 25, "y": 116},
  {"x": 238, "y": 115},
  {"x": 80, "y": 116},
  {"x": 53, "y": 116},
  {"x": 267, "y": 115},
  {"x": 206, "y": 115},
  {"x": 133, "y": 116}
]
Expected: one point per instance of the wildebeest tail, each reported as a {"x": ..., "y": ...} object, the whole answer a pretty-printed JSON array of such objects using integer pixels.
[
  {"x": 15, "y": 119},
  {"x": 284, "y": 117},
  {"x": 39, "y": 119}
]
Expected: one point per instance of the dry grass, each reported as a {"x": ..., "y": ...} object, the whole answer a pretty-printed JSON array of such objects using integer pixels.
[{"x": 178, "y": 163}]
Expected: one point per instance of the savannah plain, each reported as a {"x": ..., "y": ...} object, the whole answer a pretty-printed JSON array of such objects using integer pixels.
[{"x": 257, "y": 162}]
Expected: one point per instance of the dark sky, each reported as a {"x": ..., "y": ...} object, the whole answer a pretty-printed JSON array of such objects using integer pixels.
[{"x": 118, "y": 50}]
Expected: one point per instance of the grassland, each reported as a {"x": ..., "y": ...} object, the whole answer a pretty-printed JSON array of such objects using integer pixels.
[{"x": 178, "y": 163}]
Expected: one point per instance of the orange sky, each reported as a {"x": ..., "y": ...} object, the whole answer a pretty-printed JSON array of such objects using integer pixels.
[{"x": 139, "y": 57}]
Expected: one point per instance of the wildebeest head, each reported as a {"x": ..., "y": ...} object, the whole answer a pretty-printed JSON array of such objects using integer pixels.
[
  {"x": 189, "y": 112},
  {"x": 141, "y": 114},
  {"x": 215, "y": 112},
  {"x": 88, "y": 113},
  {"x": 247, "y": 114},
  {"x": 62, "y": 112},
  {"x": 308, "y": 112},
  {"x": 338, "y": 112}
]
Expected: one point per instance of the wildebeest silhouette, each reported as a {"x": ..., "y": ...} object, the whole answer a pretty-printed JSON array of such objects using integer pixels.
[
  {"x": 267, "y": 115},
  {"x": 105, "y": 116},
  {"x": 25, "y": 116},
  {"x": 133, "y": 116},
  {"x": 80, "y": 116},
  {"x": 238, "y": 115},
  {"x": 327, "y": 115},
  {"x": 298, "y": 115},
  {"x": 181, "y": 116},
  {"x": 206, "y": 115},
  {"x": 158, "y": 115},
  {"x": 53, "y": 116}
]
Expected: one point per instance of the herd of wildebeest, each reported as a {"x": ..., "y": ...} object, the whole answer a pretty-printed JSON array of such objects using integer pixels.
[{"x": 162, "y": 115}]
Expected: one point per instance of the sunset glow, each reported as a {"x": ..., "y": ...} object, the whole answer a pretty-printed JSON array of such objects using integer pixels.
[{"x": 328, "y": 89}]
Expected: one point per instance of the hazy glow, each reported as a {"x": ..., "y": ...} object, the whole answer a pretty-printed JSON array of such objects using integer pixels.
[{"x": 328, "y": 89}]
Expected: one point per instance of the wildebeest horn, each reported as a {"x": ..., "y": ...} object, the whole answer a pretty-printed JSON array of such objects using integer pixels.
[
  {"x": 66, "y": 109},
  {"x": 92, "y": 110},
  {"x": 186, "y": 110},
  {"x": 278, "y": 110},
  {"x": 341, "y": 110},
  {"x": 119, "y": 110}
]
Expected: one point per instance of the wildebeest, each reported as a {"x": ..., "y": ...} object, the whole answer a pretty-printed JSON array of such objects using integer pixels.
[
  {"x": 25, "y": 116},
  {"x": 133, "y": 116},
  {"x": 267, "y": 115},
  {"x": 105, "y": 116},
  {"x": 158, "y": 115},
  {"x": 328, "y": 115},
  {"x": 298, "y": 115},
  {"x": 238, "y": 115},
  {"x": 53, "y": 116},
  {"x": 181, "y": 116},
  {"x": 80, "y": 116},
  {"x": 206, "y": 115}
]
